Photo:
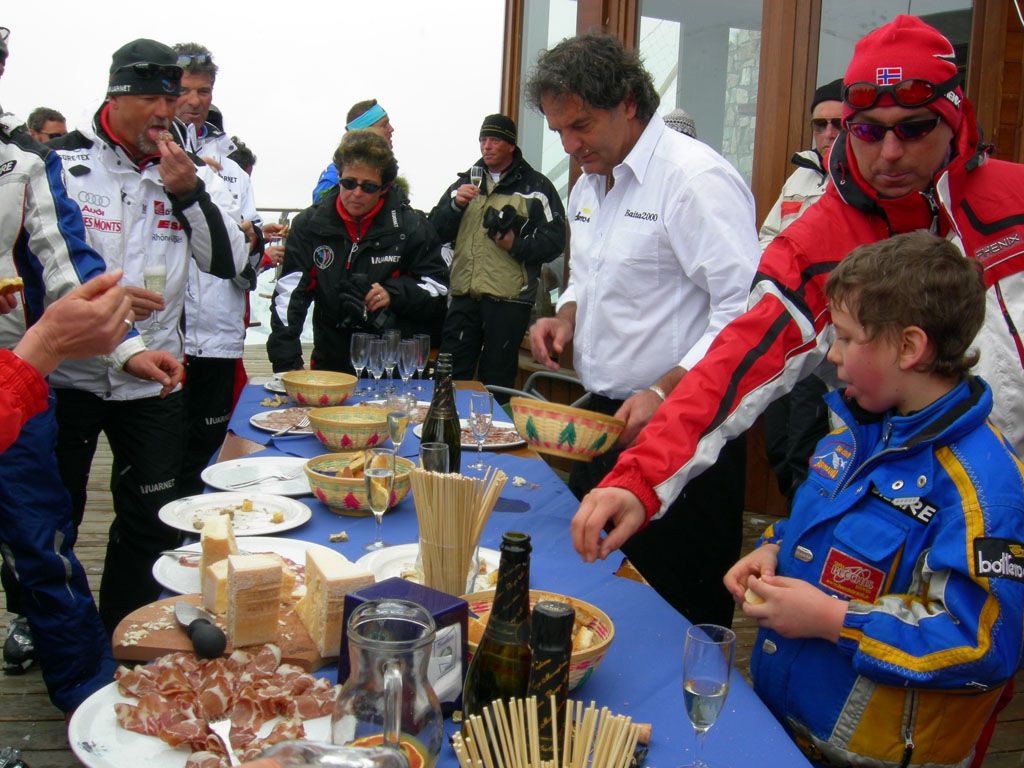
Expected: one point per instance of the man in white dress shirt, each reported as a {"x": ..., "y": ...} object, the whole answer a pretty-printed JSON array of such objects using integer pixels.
[{"x": 660, "y": 262}]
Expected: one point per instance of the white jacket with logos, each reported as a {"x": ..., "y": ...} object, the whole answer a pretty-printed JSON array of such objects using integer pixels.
[
  {"x": 802, "y": 189},
  {"x": 215, "y": 308},
  {"x": 132, "y": 222}
]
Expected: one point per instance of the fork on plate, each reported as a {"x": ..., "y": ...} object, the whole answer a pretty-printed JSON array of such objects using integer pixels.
[
  {"x": 221, "y": 728},
  {"x": 282, "y": 476},
  {"x": 300, "y": 424}
]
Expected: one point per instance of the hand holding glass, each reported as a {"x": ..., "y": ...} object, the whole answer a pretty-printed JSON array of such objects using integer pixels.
[
  {"x": 379, "y": 478},
  {"x": 476, "y": 175},
  {"x": 481, "y": 407},
  {"x": 434, "y": 457},
  {"x": 707, "y": 664}
]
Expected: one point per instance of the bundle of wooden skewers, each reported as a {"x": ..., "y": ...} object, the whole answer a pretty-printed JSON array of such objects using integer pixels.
[
  {"x": 508, "y": 736},
  {"x": 452, "y": 511}
]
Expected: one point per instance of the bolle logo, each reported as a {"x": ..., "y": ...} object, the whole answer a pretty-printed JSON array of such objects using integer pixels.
[
  {"x": 999, "y": 558},
  {"x": 93, "y": 199},
  {"x": 642, "y": 215}
]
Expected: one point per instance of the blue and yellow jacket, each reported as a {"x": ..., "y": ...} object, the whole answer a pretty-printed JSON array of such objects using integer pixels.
[{"x": 917, "y": 521}]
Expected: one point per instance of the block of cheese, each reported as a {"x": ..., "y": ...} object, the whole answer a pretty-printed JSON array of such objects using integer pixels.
[
  {"x": 217, "y": 541},
  {"x": 215, "y": 588},
  {"x": 287, "y": 578},
  {"x": 329, "y": 577},
  {"x": 254, "y": 599}
]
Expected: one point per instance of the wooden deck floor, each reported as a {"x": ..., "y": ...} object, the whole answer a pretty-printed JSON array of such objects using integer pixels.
[{"x": 29, "y": 722}]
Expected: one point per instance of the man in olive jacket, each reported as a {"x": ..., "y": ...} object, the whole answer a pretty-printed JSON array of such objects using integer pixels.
[{"x": 503, "y": 229}]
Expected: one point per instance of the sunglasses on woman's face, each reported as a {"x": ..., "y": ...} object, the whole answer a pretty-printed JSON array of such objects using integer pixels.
[
  {"x": 909, "y": 130},
  {"x": 820, "y": 124},
  {"x": 906, "y": 93},
  {"x": 367, "y": 186}
]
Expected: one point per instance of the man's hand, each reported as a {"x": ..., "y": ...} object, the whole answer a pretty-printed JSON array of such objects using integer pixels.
[
  {"x": 795, "y": 608},
  {"x": 465, "y": 193},
  {"x": 548, "y": 337},
  {"x": 90, "y": 320},
  {"x": 376, "y": 298},
  {"x": 250, "y": 233},
  {"x": 177, "y": 170},
  {"x": 274, "y": 229},
  {"x": 8, "y": 303},
  {"x": 154, "y": 365},
  {"x": 598, "y": 508},
  {"x": 144, "y": 303},
  {"x": 275, "y": 253},
  {"x": 759, "y": 563},
  {"x": 636, "y": 412},
  {"x": 504, "y": 240}
]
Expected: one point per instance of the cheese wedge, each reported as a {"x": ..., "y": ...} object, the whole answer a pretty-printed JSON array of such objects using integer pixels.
[
  {"x": 254, "y": 599},
  {"x": 287, "y": 578},
  {"x": 215, "y": 588},
  {"x": 329, "y": 577},
  {"x": 217, "y": 541}
]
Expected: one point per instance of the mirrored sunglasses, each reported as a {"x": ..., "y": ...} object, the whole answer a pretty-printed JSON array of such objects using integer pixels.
[
  {"x": 906, "y": 93},
  {"x": 367, "y": 186},
  {"x": 186, "y": 60},
  {"x": 909, "y": 130}
]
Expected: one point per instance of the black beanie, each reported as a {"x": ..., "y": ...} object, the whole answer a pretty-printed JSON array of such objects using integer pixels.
[
  {"x": 499, "y": 127},
  {"x": 828, "y": 92},
  {"x": 163, "y": 78}
]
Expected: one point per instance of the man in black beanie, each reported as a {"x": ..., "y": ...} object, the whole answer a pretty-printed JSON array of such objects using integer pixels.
[{"x": 505, "y": 220}]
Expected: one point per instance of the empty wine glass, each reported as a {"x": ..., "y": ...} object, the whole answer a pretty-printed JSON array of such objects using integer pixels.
[
  {"x": 423, "y": 339},
  {"x": 392, "y": 340},
  {"x": 375, "y": 363},
  {"x": 408, "y": 353},
  {"x": 481, "y": 412},
  {"x": 379, "y": 478},
  {"x": 434, "y": 457},
  {"x": 707, "y": 664},
  {"x": 399, "y": 408},
  {"x": 359, "y": 348}
]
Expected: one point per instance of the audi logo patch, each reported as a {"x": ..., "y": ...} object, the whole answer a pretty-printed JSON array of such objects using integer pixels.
[{"x": 90, "y": 198}]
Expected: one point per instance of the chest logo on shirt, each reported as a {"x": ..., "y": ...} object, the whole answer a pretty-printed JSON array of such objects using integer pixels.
[
  {"x": 999, "y": 558},
  {"x": 914, "y": 507},
  {"x": 851, "y": 577},
  {"x": 642, "y": 215},
  {"x": 159, "y": 208},
  {"x": 832, "y": 459},
  {"x": 583, "y": 215},
  {"x": 323, "y": 256},
  {"x": 8, "y": 167}
]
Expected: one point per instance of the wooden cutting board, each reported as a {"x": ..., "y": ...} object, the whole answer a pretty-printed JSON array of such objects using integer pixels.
[{"x": 152, "y": 631}]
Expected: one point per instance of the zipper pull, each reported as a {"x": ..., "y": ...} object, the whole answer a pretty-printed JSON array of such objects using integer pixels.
[{"x": 351, "y": 253}]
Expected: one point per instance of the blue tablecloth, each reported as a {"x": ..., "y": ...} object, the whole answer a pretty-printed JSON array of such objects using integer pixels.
[{"x": 641, "y": 675}]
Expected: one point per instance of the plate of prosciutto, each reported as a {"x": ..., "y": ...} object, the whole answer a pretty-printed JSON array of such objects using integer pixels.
[{"x": 177, "y": 694}]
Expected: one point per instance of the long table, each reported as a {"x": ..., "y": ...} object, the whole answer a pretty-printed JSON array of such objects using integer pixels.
[{"x": 641, "y": 674}]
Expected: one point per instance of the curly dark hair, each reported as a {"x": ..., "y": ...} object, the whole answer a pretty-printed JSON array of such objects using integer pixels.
[
  {"x": 40, "y": 115},
  {"x": 597, "y": 68},
  {"x": 364, "y": 147},
  {"x": 914, "y": 279}
]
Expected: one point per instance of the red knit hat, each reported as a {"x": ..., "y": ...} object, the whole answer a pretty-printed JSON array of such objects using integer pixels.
[{"x": 906, "y": 48}]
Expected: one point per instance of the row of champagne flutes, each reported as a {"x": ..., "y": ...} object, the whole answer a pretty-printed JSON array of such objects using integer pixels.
[{"x": 380, "y": 354}]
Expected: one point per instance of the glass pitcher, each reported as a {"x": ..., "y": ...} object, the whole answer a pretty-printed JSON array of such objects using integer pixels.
[{"x": 387, "y": 698}]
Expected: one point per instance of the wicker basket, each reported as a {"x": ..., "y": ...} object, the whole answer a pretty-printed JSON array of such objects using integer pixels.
[
  {"x": 582, "y": 663},
  {"x": 347, "y": 495},
  {"x": 319, "y": 388},
  {"x": 562, "y": 430},
  {"x": 349, "y": 427}
]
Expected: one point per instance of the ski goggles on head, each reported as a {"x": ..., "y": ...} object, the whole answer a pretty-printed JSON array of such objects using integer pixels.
[
  {"x": 908, "y": 130},
  {"x": 149, "y": 71},
  {"x": 913, "y": 92},
  {"x": 186, "y": 60},
  {"x": 367, "y": 186}
]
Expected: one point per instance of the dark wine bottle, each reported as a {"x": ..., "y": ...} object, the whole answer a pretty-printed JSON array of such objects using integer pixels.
[
  {"x": 441, "y": 424},
  {"x": 551, "y": 646},
  {"x": 500, "y": 668}
]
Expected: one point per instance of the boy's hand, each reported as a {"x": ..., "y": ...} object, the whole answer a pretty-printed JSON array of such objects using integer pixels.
[
  {"x": 761, "y": 562},
  {"x": 794, "y": 608}
]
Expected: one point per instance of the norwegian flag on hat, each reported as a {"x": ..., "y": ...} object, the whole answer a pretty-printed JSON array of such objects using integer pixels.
[{"x": 888, "y": 75}]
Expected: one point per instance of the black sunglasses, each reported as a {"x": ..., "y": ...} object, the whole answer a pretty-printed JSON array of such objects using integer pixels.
[
  {"x": 53, "y": 135},
  {"x": 188, "y": 59},
  {"x": 906, "y": 93},
  {"x": 367, "y": 186},
  {"x": 909, "y": 130},
  {"x": 148, "y": 71},
  {"x": 819, "y": 124}
]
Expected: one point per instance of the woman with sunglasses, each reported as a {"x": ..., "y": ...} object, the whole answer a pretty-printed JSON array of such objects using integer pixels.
[{"x": 368, "y": 261}]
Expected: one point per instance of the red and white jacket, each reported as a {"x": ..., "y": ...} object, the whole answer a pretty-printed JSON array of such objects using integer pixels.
[{"x": 975, "y": 201}]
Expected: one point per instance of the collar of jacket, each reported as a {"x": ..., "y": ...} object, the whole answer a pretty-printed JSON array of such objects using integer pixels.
[
  {"x": 211, "y": 134},
  {"x": 510, "y": 173},
  {"x": 809, "y": 159},
  {"x": 914, "y": 210},
  {"x": 325, "y": 220}
]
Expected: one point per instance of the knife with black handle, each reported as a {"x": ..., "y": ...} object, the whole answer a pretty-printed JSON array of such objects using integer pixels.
[{"x": 208, "y": 640}]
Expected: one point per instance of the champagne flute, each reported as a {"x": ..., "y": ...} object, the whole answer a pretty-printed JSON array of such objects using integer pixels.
[
  {"x": 399, "y": 408},
  {"x": 392, "y": 340},
  {"x": 476, "y": 175},
  {"x": 379, "y": 477},
  {"x": 408, "y": 353},
  {"x": 359, "y": 348},
  {"x": 154, "y": 278},
  {"x": 423, "y": 339},
  {"x": 375, "y": 363},
  {"x": 434, "y": 457},
  {"x": 481, "y": 412},
  {"x": 707, "y": 664}
]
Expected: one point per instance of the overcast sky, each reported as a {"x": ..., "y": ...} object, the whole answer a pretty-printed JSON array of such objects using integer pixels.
[{"x": 289, "y": 71}]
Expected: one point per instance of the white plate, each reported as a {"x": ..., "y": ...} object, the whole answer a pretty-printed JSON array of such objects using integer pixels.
[
  {"x": 184, "y": 579},
  {"x": 275, "y": 385},
  {"x": 183, "y": 513},
  {"x": 225, "y": 474},
  {"x": 401, "y": 558},
  {"x": 259, "y": 421},
  {"x": 488, "y": 446},
  {"x": 99, "y": 742}
]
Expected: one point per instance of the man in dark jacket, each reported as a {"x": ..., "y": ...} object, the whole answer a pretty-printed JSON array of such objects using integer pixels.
[{"x": 504, "y": 227}]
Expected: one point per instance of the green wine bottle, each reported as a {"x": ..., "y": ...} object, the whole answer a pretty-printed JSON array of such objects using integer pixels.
[
  {"x": 500, "y": 668},
  {"x": 441, "y": 424}
]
